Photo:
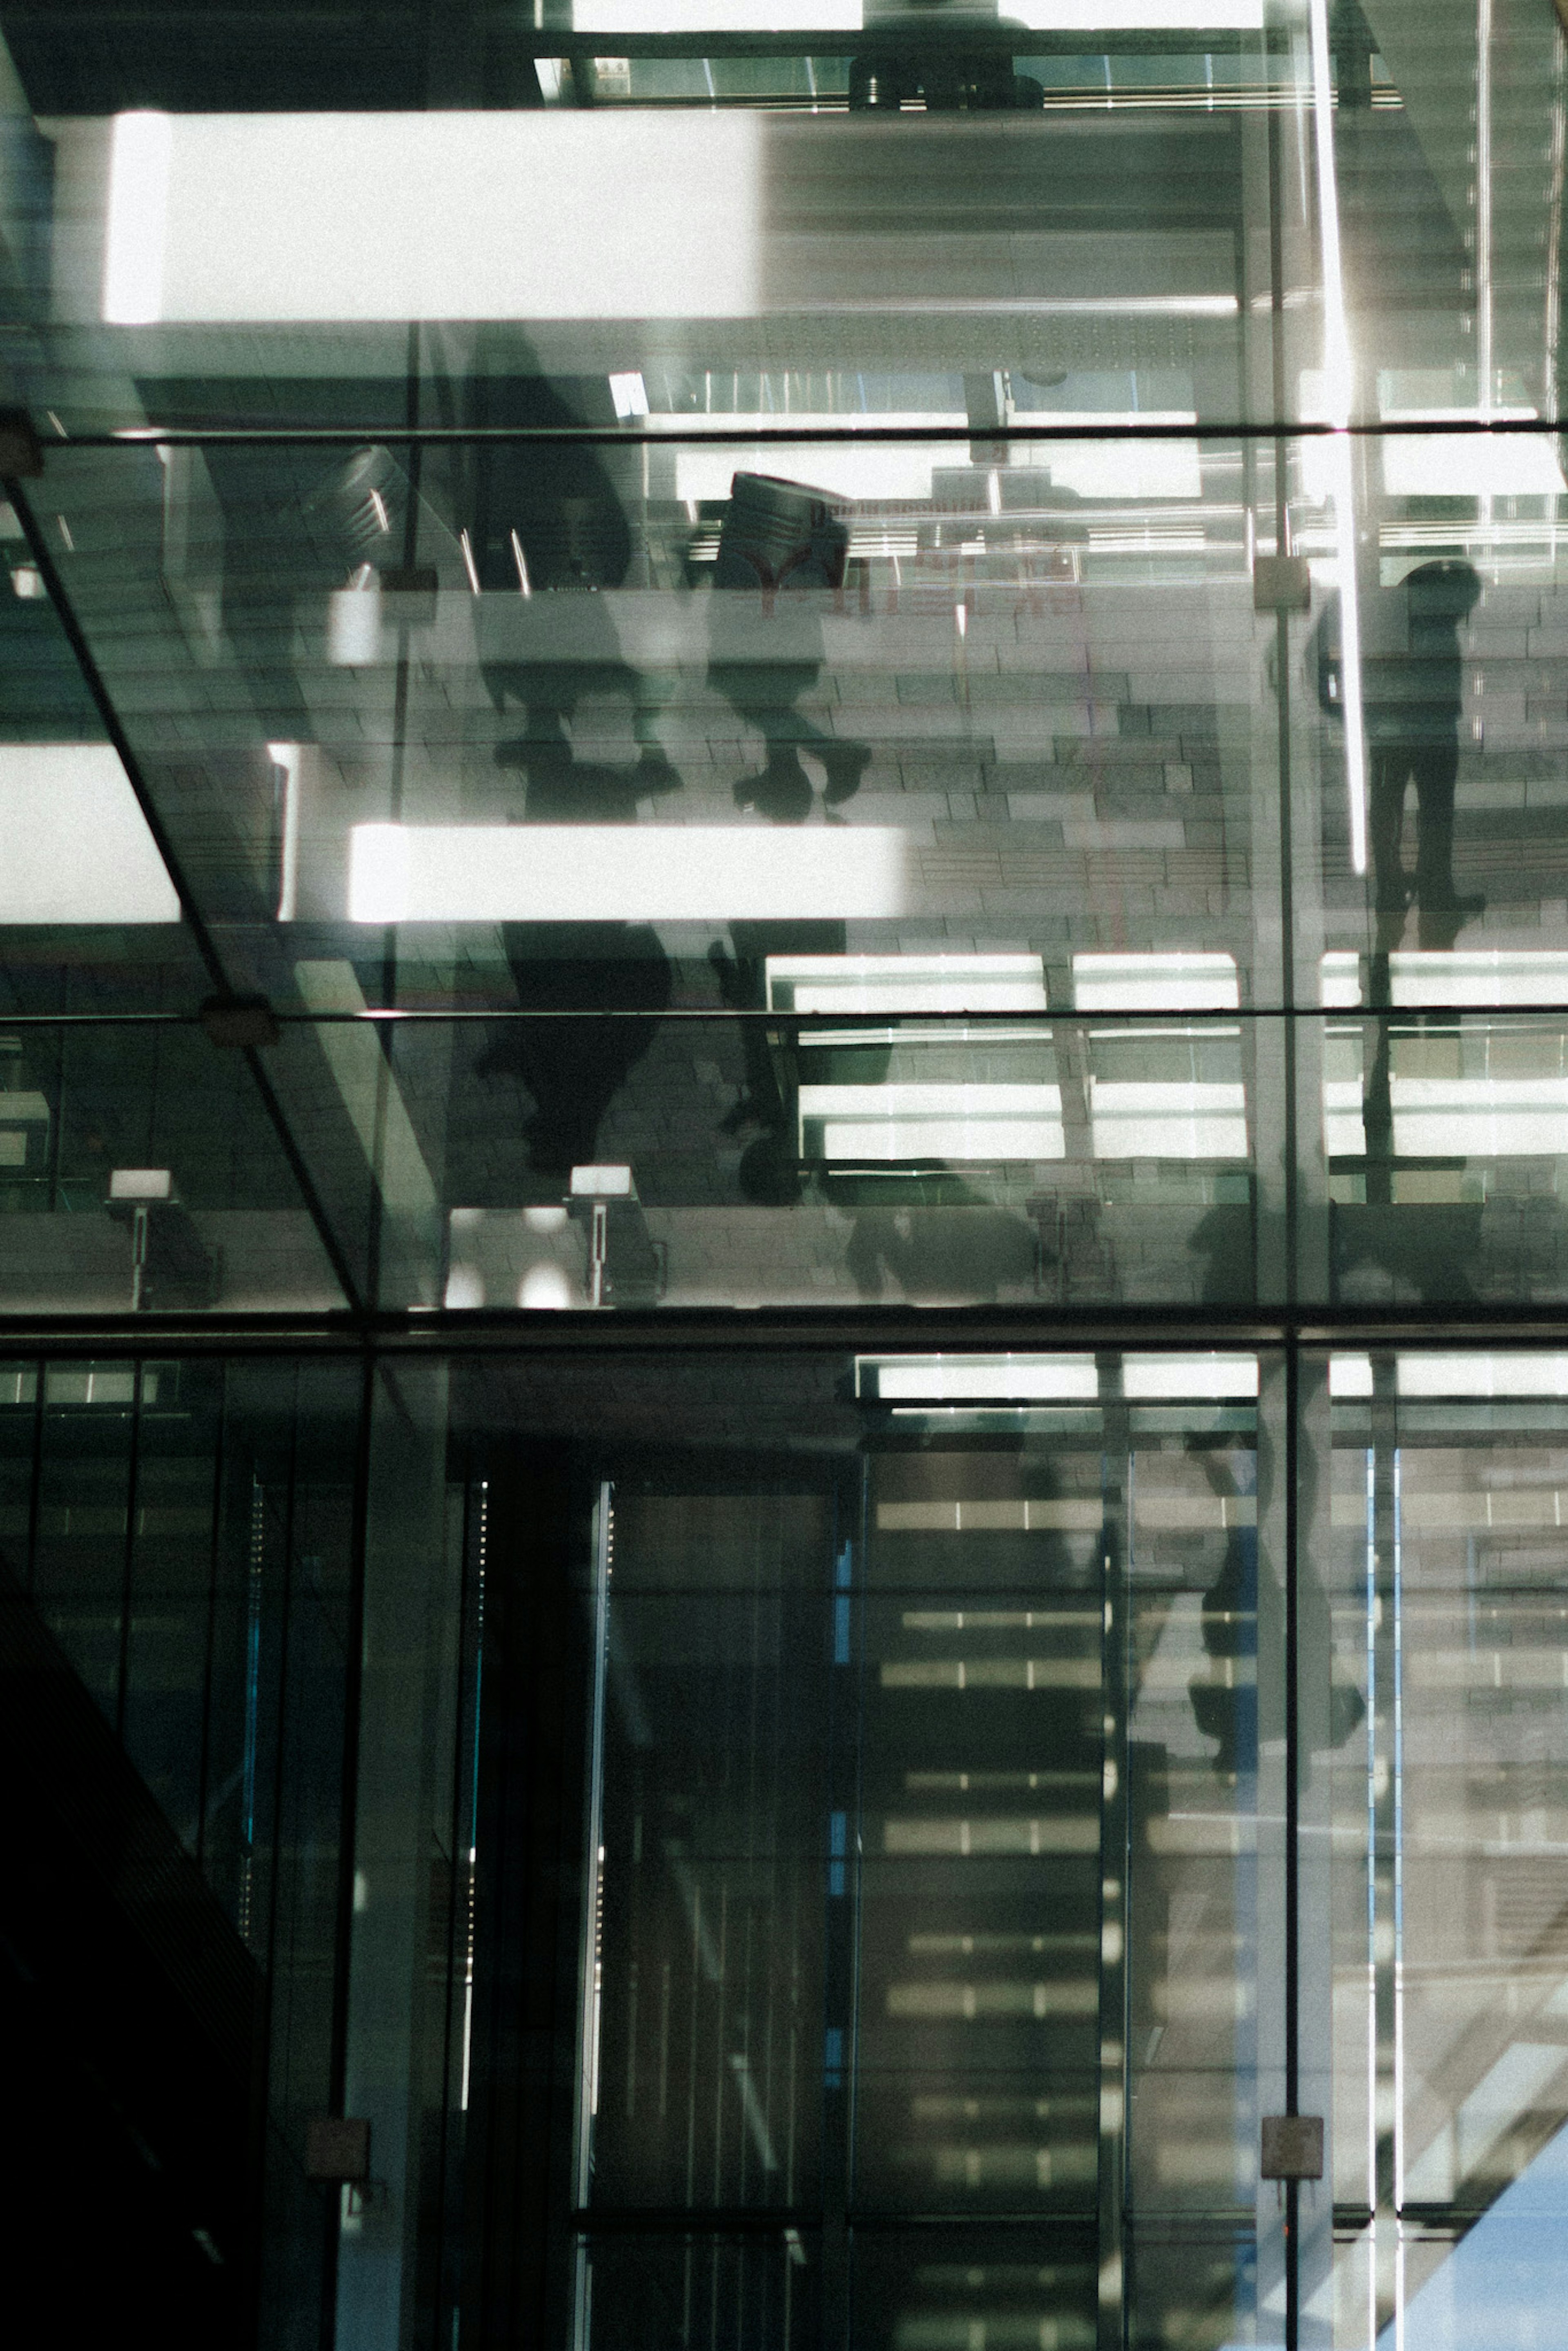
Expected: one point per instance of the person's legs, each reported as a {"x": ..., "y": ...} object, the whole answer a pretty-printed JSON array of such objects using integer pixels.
[
  {"x": 1436, "y": 767},
  {"x": 1390, "y": 764}
]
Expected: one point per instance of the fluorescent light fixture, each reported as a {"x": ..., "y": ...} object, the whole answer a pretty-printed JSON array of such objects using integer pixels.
[
  {"x": 1135, "y": 15},
  {"x": 629, "y": 394},
  {"x": 626, "y": 873},
  {"x": 717, "y": 16},
  {"x": 286, "y": 756},
  {"x": 345, "y": 218},
  {"x": 889, "y": 1122},
  {"x": 140, "y": 1184},
  {"x": 1482, "y": 1376},
  {"x": 906, "y": 984},
  {"x": 1340, "y": 977},
  {"x": 1350, "y": 1377},
  {"x": 601, "y": 1183},
  {"x": 1471, "y": 465},
  {"x": 1451, "y": 1118},
  {"x": 354, "y": 624},
  {"x": 1132, "y": 1119},
  {"x": 1496, "y": 976},
  {"x": 140, "y": 146},
  {"x": 1151, "y": 1379},
  {"x": 977, "y": 1379},
  {"x": 1176, "y": 982},
  {"x": 73, "y": 844},
  {"x": 1121, "y": 470},
  {"x": 1483, "y": 1118}
]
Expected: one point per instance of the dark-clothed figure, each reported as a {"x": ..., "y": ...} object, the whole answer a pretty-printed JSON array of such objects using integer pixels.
[
  {"x": 1412, "y": 676},
  {"x": 781, "y": 551},
  {"x": 547, "y": 515},
  {"x": 545, "y": 520}
]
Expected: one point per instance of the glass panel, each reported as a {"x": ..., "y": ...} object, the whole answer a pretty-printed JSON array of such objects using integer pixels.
[
  {"x": 170, "y": 1586},
  {"x": 1450, "y": 2092},
  {"x": 84, "y": 1498},
  {"x": 708, "y": 2054},
  {"x": 925, "y": 1873},
  {"x": 708, "y": 2293},
  {"x": 1122, "y": 179}
]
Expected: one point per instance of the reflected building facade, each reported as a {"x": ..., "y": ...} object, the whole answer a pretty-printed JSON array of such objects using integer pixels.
[{"x": 783, "y": 1152}]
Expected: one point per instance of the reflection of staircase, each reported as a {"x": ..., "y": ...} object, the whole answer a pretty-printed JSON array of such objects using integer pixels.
[
  {"x": 129, "y": 2010},
  {"x": 1430, "y": 48}
]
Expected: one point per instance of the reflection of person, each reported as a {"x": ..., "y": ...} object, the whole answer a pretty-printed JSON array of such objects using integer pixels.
[
  {"x": 546, "y": 519},
  {"x": 574, "y": 1068},
  {"x": 781, "y": 549},
  {"x": 549, "y": 517},
  {"x": 1412, "y": 699}
]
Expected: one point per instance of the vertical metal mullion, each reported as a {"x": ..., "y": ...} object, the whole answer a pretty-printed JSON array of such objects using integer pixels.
[
  {"x": 34, "y": 1498},
  {"x": 1113, "y": 2284},
  {"x": 457, "y": 1911},
  {"x": 219, "y": 1462},
  {"x": 1282, "y": 699},
  {"x": 1292, "y": 1836},
  {"x": 589, "y": 2048},
  {"x": 131, "y": 1484},
  {"x": 1382, "y": 1824},
  {"x": 343, "y": 1925}
]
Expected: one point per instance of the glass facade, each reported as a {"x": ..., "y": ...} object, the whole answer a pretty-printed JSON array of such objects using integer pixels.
[{"x": 784, "y": 1158}]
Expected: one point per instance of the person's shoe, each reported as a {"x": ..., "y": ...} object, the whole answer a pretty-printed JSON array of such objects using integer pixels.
[
  {"x": 1450, "y": 901},
  {"x": 654, "y": 774},
  {"x": 783, "y": 793},
  {"x": 845, "y": 767}
]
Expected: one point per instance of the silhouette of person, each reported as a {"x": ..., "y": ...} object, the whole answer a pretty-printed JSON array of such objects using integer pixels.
[
  {"x": 780, "y": 549},
  {"x": 545, "y": 518},
  {"x": 949, "y": 78},
  {"x": 574, "y": 1068},
  {"x": 1412, "y": 672},
  {"x": 548, "y": 516}
]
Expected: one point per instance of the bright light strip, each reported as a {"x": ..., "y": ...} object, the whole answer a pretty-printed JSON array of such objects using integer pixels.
[
  {"x": 629, "y": 394},
  {"x": 1134, "y": 1119},
  {"x": 1482, "y": 1376},
  {"x": 978, "y": 1379},
  {"x": 1470, "y": 465},
  {"x": 717, "y": 16},
  {"x": 140, "y": 1184},
  {"x": 1483, "y": 1118},
  {"x": 1180, "y": 982},
  {"x": 1150, "y": 1379},
  {"x": 140, "y": 146},
  {"x": 900, "y": 1121},
  {"x": 848, "y": 16},
  {"x": 900, "y": 984},
  {"x": 1454, "y": 1118},
  {"x": 626, "y": 873},
  {"x": 1339, "y": 385},
  {"x": 1135, "y": 15},
  {"x": 1340, "y": 979},
  {"x": 1485, "y": 977},
  {"x": 1350, "y": 1377},
  {"x": 601, "y": 1183},
  {"x": 73, "y": 844},
  {"x": 338, "y": 219},
  {"x": 1495, "y": 976}
]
